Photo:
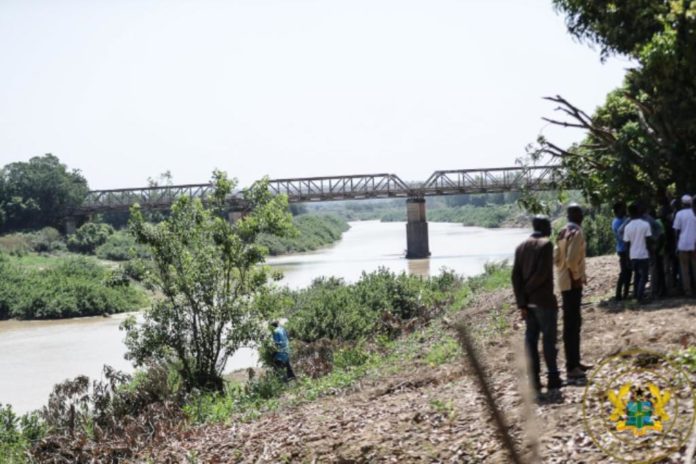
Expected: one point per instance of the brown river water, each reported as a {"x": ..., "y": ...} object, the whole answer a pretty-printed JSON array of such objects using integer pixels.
[{"x": 34, "y": 355}]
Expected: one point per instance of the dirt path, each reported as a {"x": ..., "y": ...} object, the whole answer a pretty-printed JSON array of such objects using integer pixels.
[{"x": 426, "y": 414}]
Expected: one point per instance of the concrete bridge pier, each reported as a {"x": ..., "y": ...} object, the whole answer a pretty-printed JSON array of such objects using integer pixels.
[
  {"x": 417, "y": 246},
  {"x": 71, "y": 224}
]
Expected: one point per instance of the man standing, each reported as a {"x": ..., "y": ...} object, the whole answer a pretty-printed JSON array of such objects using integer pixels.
[
  {"x": 636, "y": 235},
  {"x": 281, "y": 357},
  {"x": 532, "y": 281},
  {"x": 685, "y": 227},
  {"x": 623, "y": 285},
  {"x": 569, "y": 259}
]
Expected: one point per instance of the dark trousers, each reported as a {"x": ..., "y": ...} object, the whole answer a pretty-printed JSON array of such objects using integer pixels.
[
  {"x": 658, "y": 282},
  {"x": 641, "y": 267},
  {"x": 572, "y": 321},
  {"x": 542, "y": 321},
  {"x": 623, "y": 285},
  {"x": 284, "y": 366}
]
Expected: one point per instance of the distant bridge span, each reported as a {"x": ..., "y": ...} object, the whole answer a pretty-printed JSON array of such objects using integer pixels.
[{"x": 337, "y": 188}]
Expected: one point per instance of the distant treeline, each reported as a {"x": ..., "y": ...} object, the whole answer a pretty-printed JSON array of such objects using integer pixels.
[{"x": 313, "y": 231}]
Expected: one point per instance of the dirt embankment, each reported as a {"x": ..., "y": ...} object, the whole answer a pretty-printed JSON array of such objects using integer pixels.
[{"x": 426, "y": 414}]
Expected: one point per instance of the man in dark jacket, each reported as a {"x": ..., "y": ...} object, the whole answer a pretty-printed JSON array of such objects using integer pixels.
[{"x": 532, "y": 281}]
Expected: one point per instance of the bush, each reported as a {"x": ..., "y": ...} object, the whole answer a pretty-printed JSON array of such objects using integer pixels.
[
  {"x": 74, "y": 287},
  {"x": 381, "y": 302},
  {"x": 89, "y": 237},
  {"x": 15, "y": 244},
  {"x": 121, "y": 246},
  {"x": 47, "y": 240},
  {"x": 313, "y": 231},
  {"x": 17, "y": 434},
  {"x": 108, "y": 421}
]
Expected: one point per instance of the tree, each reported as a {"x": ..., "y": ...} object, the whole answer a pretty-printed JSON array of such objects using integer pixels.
[
  {"x": 642, "y": 141},
  {"x": 210, "y": 275},
  {"x": 38, "y": 193}
]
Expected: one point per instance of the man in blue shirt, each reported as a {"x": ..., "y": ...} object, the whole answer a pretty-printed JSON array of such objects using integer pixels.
[
  {"x": 281, "y": 357},
  {"x": 623, "y": 285}
]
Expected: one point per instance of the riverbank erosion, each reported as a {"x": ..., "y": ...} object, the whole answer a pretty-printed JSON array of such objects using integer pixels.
[{"x": 422, "y": 404}]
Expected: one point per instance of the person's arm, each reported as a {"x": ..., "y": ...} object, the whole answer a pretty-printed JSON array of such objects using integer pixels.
[
  {"x": 518, "y": 281},
  {"x": 627, "y": 241},
  {"x": 575, "y": 254}
]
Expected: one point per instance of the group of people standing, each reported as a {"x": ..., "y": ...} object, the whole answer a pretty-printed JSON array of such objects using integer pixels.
[
  {"x": 656, "y": 246},
  {"x": 533, "y": 284},
  {"x": 659, "y": 248}
]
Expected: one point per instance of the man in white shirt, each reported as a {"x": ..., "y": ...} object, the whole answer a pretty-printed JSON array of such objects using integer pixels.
[
  {"x": 637, "y": 233},
  {"x": 685, "y": 226}
]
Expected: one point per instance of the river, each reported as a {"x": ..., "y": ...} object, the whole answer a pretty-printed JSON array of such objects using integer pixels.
[{"x": 35, "y": 355}]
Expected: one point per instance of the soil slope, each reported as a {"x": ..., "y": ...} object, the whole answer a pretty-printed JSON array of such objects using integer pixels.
[{"x": 426, "y": 414}]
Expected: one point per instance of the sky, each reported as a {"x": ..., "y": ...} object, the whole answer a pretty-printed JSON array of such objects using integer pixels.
[{"x": 125, "y": 90}]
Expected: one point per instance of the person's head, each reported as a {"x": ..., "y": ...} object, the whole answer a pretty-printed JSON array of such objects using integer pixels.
[
  {"x": 274, "y": 324},
  {"x": 575, "y": 213},
  {"x": 634, "y": 210},
  {"x": 619, "y": 209},
  {"x": 686, "y": 201},
  {"x": 542, "y": 225}
]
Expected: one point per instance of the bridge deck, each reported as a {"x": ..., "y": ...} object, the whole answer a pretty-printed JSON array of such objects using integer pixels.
[{"x": 336, "y": 188}]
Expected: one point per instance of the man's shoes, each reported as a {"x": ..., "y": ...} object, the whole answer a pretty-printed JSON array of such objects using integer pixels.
[
  {"x": 554, "y": 383},
  {"x": 576, "y": 377},
  {"x": 585, "y": 368}
]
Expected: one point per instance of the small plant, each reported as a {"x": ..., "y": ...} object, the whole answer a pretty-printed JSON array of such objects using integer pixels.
[{"x": 444, "y": 351}]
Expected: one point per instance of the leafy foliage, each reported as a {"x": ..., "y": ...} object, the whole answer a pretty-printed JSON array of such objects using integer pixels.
[
  {"x": 121, "y": 246},
  {"x": 89, "y": 236},
  {"x": 72, "y": 287},
  {"x": 209, "y": 274},
  {"x": 38, "y": 193},
  {"x": 17, "y": 434},
  {"x": 642, "y": 142},
  {"x": 313, "y": 231}
]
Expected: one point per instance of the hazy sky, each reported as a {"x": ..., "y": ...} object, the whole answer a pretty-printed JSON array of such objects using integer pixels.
[{"x": 125, "y": 90}]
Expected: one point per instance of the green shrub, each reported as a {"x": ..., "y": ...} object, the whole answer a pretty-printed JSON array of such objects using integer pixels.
[
  {"x": 89, "y": 237},
  {"x": 328, "y": 309},
  {"x": 17, "y": 433},
  {"x": 16, "y": 244},
  {"x": 73, "y": 287},
  {"x": 121, "y": 246},
  {"x": 47, "y": 240},
  {"x": 313, "y": 231}
]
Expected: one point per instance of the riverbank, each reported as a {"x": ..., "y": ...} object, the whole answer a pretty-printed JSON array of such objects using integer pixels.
[{"x": 421, "y": 405}]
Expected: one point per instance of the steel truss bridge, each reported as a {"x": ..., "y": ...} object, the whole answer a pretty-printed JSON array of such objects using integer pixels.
[{"x": 335, "y": 188}]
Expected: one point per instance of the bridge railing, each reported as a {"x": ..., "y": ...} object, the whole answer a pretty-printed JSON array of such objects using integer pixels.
[
  {"x": 492, "y": 180},
  {"x": 148, "y": 197},
  {"x": 340, "y": 187}
]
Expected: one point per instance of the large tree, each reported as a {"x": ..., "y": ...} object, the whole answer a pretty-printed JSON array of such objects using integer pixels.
[
  {"x": 642, "y": 141},
  {"x": 38, "y": 193},
  {"x": 210, "y": 277}
]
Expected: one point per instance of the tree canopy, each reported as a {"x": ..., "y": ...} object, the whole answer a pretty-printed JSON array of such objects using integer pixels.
[
  {"x": 209, "y": 274},
  {"x": 642, "y": 141},
  {"x": 38, "y": 193}
]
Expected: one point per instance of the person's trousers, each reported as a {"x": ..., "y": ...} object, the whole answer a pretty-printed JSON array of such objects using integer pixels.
[
  {"x": 285, "y": 365},
  {"x": 658, "y": 277},
  {"x": 623, "y": 285},
  {"x": 641, "y": 267},
  {"x": 545, "y": 322},
  {"x": 572, "y": 321},
  {"x": 687, "y": 259}
]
